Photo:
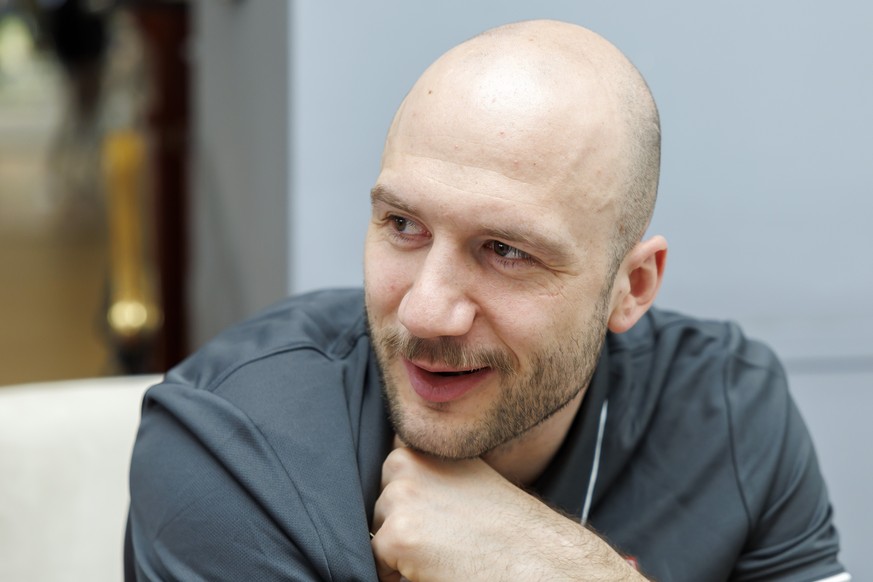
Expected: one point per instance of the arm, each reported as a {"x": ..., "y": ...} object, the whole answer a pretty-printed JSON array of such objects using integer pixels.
[
  {"x": 219, "y": 493},
  {"x": 460, "y": 520},
  {"x": 246, "y": 464},
  {"x": 791, "y": 533},
  {"x": 197, "y": 509}
]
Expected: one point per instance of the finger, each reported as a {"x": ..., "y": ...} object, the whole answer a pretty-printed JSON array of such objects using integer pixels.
[
  {"x": 384, "y": 569},
  {"x": 398, "y": 497},
  {"x": 379, "y": 514},
  {"x": 399, "y": 462}
]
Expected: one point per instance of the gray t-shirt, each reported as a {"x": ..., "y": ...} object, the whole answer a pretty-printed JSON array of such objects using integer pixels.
[{"x": 259, "y": 457}]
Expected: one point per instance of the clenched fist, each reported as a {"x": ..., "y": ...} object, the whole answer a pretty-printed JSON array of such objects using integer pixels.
[{"x": 441, "y": 521}]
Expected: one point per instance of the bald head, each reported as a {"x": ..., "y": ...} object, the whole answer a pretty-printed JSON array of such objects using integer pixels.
[{"x": 543, "y": 102}]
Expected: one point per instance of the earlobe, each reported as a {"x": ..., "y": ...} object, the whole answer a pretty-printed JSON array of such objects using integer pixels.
[{"x": 637, "y": 283}]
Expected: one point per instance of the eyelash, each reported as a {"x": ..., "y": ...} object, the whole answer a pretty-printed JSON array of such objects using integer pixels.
[
  {"x": 393, "y": 223},
  {"x": 525, "y": 260}
]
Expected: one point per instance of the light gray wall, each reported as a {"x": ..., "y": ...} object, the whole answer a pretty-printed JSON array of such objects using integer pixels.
[
  {"x": 837, "y": 410},
  {"x": 240, "y": 171},
  {"x": 766, "y": 185},
  {"x": 768, "y": 164}
]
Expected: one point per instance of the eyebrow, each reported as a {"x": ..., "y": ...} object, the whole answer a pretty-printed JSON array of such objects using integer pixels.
[
  {"x": 380, "y": 193},
  {"x": 539, "y": 243}
]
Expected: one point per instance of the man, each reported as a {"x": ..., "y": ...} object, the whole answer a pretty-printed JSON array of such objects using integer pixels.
[{"x": 542, "y": 422}]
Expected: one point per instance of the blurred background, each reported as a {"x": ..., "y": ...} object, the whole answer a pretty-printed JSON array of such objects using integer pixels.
[
  {"x": 167, "y": 168},
  {"x": 94, "y": 109}
]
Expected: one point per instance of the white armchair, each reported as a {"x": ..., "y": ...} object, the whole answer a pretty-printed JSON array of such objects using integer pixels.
[{"x": 64, "y": 457}]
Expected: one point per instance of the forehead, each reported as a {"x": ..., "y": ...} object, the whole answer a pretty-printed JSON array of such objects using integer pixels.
[
  {"x": 525, "y": 112},
  {"x": 508, "y": 142},
  {"x": 511, "y": 142}
]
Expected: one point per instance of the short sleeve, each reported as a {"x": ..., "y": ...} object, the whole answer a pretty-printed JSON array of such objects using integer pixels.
[
  {"x": 204, "y": 498},
  {"x": 791, "y": 533},
  {"x": 248, "y": 480}
]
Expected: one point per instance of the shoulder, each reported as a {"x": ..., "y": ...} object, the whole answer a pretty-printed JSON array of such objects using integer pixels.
[
  {"x": 706, "y": 413},
  {"x": 318, "y": 327},
  {"x": 684, "y": 340},
  {"x": 281, "y": 372},
  {"x": 685, "y": 358},
  {"x": 710, "y": 379},
  {"x": 255, "y": 432},
  {"x": 670, "y": 360},
  {"x": 278, "y": 375}
]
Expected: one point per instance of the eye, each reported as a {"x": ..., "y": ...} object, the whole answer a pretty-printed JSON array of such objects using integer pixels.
[
  {"x": 405, "y": 231},
  {"x": 405, "y": 226},
  {"x": 509, "y": 255},
  {"x": 399, "y": 223},
  {"x": 504, "y": 250}
]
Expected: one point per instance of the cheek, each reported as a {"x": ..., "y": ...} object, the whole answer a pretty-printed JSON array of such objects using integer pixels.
[
  {"x": 535, "y": 323},
  {"x": 524, "y": 324},
  {"x": 386, "y": 279}
]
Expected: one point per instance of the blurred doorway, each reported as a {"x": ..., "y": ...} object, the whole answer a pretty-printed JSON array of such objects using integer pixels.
[
  {"x": 52, "y": 246},
  {"x": 92, "y": 174}
]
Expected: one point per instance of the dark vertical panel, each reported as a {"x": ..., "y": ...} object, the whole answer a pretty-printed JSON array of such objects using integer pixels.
[{"x": 165, "y": 28}]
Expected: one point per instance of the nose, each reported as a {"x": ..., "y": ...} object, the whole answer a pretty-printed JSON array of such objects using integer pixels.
[{"x": 438, "y": 303}]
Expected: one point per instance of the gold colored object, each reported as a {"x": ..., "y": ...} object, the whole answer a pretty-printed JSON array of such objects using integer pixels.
[{"x": 134, "y": 313}]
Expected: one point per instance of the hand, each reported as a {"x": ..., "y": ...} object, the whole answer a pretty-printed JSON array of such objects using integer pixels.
[{"x": 440, "y": 521}]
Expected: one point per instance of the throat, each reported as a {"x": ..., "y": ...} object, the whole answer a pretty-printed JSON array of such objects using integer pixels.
[{"x": 523, "y": 459}]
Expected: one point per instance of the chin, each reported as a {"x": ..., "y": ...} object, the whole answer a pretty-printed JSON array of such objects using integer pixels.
[
  {"x": 433, "y": 433},
  {"x": 442, "y": 448}
]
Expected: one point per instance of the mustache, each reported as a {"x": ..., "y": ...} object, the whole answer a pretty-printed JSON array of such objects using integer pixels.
[{"x": 448, "y": 351}]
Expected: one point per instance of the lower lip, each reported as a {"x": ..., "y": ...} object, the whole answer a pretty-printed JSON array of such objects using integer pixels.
[{"x": 435, "y": 388}]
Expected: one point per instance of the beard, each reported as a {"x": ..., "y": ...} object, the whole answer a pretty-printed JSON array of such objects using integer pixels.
[{"x": 528, "y": 394}]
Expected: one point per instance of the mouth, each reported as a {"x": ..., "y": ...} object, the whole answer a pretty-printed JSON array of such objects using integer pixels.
[
  {"x": 440, "y": 384},
  {"x": 458, "y": 373}
]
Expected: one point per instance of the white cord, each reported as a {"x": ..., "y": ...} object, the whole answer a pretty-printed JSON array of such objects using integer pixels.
[{"x": 596, "y": 465}]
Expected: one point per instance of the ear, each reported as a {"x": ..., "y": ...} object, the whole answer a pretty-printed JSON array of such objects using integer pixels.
[{"x": 636, "y": 283}]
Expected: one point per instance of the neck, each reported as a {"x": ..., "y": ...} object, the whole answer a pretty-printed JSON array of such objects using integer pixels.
[{"x": 523, "y": 460}]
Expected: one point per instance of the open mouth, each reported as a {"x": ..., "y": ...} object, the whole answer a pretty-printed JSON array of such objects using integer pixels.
[
  {"x": 459, "y": 373},
  {"x": 435, "y": 385}
]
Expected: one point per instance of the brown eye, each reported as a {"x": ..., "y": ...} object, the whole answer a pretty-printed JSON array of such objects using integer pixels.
[
  {"x": 506, "y": 251},
  {"x": 501, "y": 249},
  {"x": 404, "y": 226}
]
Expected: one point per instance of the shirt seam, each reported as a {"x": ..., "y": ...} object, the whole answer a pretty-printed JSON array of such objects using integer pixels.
[{"x": 732, "y": 440}]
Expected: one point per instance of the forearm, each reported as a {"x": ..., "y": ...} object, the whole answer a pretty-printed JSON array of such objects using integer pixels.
[{"x": 563, "y": 550}]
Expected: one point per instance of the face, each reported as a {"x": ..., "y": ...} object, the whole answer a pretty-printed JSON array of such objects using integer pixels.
[{"x": 487, "y": 278}]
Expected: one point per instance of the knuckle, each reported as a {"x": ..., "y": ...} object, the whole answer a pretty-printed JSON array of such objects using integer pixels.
[
  {"x": 398, "y": 459},
  {"x": 401, "y": 492},
  {"x": 403, "y": 531},
  {"x": 400, "y": 465}
]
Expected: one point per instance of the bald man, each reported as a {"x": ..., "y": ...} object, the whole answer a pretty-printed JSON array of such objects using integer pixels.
[{"x": 501, "y": 402}]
